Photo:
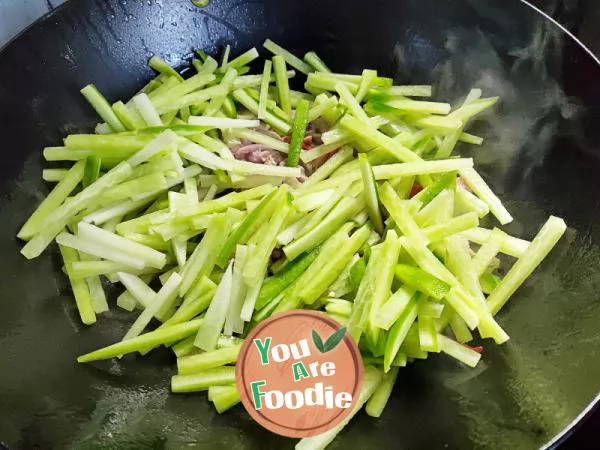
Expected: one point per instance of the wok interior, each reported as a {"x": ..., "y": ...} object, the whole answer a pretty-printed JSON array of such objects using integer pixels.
[{"x": 540, "y": 155}]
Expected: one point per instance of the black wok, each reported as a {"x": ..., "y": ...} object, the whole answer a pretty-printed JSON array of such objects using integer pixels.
[{"x": 541, "y": 156}]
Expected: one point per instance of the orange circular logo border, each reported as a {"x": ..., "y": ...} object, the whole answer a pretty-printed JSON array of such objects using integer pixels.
[{"x": 243, "y": 384}]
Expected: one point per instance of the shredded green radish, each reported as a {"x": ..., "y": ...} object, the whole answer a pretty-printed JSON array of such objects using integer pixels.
[
  {"x": 225, "y": 398},
  {"x": 370, "y": 193},
  {"x": 102, "y": 107},
  {"x": 298, "y": 132},
  {"x": 207, "y": 360},
  {"x": 291, "y": 59},
  {"x": 264, "y": 89},
  {"x": 372, "y": 381},
  {"x": 283, "y": 88},
  {"x": 218, "y": 199}
]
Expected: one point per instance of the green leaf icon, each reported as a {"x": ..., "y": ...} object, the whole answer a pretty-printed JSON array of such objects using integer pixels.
[
  {"x": 331, "y": 343},
  {"x": 318, "y": 341},
  {"x": 334, "y": 340}
]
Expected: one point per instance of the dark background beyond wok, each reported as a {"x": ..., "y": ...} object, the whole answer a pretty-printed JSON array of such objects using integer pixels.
[{"x": 541, "y": 156}]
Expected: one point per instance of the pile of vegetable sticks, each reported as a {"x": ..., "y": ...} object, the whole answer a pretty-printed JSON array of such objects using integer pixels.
[{"x": 383, "y": 235}]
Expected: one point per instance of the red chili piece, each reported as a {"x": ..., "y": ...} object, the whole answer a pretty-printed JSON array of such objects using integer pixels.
[
  {"x": 478, "y": 349},
  {"x": 416, "y": 188},
  {"x": 307, "y": 143}
]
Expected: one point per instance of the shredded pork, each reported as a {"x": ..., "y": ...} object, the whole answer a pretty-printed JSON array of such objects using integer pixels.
[{"x": 260, "y": 154}]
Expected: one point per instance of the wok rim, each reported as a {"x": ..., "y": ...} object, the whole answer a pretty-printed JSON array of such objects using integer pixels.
[{"x": 572, "y": 427}]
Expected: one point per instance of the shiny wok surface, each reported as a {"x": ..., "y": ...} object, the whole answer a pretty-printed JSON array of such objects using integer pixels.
[{"x": 541, "y": 156}]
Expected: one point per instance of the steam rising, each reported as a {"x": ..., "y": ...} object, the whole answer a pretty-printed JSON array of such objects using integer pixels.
[{"x": 524, "y": 124}]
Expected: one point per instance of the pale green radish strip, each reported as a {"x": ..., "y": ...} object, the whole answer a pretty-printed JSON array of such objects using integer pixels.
[
  {"x": 57, "y": 219},
  {"x": 204, "y": 256},
  {"x": 264, "y": 89},
  {"x": 511, "y": 245},
  {"x": 214, "y": 319},
  {"x": 393, "y": 308},
  {"x": 166, "y": 294},
  {"x": 372, "y": 380},
  {"x": 144, "y": 341},
  {"x": 483, "y": 191},
  {"x": 233, "y": 322},
  {"x": 539, "y": 248},
  {"x": 469, "y": 202},
  {"x": 459, "y": 351},
  {"x": 52, "y": 201},
  {"x": 137, "y": 288},
  {"x": 488, "y": 251},
  {"x": 292, "y": 60},
  {"x": 100, "y": 236},
  {"x": 81, "y": 292}
]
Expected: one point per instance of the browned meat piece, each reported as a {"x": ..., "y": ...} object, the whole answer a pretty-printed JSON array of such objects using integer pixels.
[
  {"x": 307, "y": 142},
  {"x": 461, "y": 183},
  {"x": 264, "y": 129},
  {"x": 258, "y": 153},
  {"x": 319, "y": 125},
  {"x": 316, "y": 163},
  {"x": 315, "y": 129}
]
